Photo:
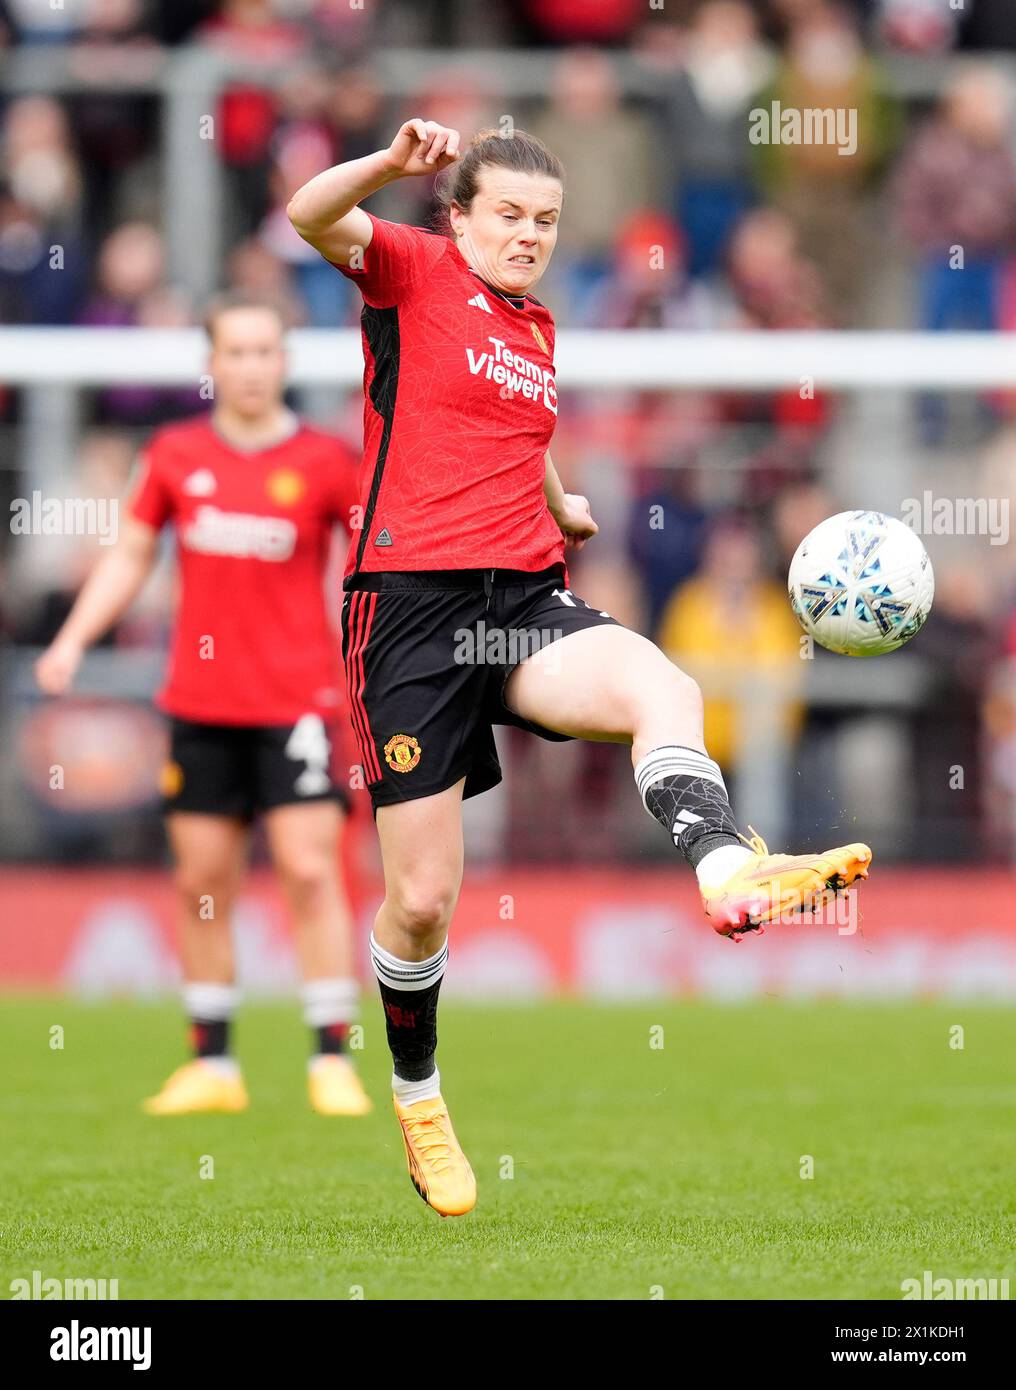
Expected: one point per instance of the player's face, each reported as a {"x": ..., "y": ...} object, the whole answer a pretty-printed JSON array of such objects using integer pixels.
[
  {"x": 248, "y": 361},
  {"x": 510, "y": 231}
]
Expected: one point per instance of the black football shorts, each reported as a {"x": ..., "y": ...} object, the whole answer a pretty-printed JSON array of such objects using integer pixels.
[
  {"x": 427, "y": 655},
  {"x": 242, "y": 770}
]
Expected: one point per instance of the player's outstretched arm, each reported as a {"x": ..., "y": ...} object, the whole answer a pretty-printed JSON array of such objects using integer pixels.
[
  {"x": 325, "y": 212},
  {"x": 107, "y": 593}
]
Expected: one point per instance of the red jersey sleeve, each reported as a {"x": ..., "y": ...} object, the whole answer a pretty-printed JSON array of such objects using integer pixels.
[
  {"x": 151, "y": 500},
  {"x": 398, "y": 259}
]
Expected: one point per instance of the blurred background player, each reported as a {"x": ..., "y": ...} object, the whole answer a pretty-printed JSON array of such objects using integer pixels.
[{"x": 254, "y": 692}]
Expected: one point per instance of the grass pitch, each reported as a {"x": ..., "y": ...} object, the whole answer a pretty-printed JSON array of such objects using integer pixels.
[{"x": 607, "y": 1167}]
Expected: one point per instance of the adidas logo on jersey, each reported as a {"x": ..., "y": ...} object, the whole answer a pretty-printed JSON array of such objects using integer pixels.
[
  {"x": 201, "y": 483},
  {"x": 479, "y": 302},
  {"x": 384, "y": 537}
]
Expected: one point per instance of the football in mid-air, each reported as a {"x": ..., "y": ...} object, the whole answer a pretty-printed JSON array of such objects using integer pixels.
[{"x": 861, "y": 583}]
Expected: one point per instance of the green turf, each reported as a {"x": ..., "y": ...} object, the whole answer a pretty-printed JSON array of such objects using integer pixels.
[{"x": 634, "y": 1168}]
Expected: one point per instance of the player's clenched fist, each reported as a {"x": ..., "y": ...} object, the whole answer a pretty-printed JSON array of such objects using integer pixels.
[
  {"x": 57, "y": 667},
  {"x": 423, "y": 147},
  {"x": 575, "y": 520}
]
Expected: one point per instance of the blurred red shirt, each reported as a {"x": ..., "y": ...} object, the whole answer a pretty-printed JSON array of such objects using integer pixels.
[{"x": 252, "y": 643}]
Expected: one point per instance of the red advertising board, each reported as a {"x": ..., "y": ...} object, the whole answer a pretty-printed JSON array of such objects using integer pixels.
[{"x": 525, "y": 933}]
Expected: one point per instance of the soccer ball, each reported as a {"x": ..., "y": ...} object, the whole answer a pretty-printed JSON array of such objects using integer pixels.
[{"x": 861, "y": 583}]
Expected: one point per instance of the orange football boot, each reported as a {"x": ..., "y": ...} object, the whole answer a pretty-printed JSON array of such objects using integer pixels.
[
  {"x": 196, "y": 1088},
  {"x": 438, "y": 1168},
  {"x": 767, "y": 886}
]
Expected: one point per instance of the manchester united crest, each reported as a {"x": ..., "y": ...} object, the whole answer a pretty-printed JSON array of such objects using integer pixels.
[
  {"x": 402, "y": 752},
  {"x": 170, "y": 780},
  {"x": 540, "y": 339},
  {"x": 285, "y": 487}
]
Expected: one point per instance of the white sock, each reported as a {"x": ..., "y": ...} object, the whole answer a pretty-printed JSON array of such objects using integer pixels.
[
  {"x": 716, "y": 866},
  {"x": 407, "y": 974},
  {"x": 227, "y": 1067},
  {"x": 673, "y": 760},
  {"x": 212, "y": 1001},
  {"x": 329, "y": 1001},
  {"x": 408, "y": 1092}
]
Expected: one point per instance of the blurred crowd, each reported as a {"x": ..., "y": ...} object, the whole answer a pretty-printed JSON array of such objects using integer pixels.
[{"x": 673, "y": 219}]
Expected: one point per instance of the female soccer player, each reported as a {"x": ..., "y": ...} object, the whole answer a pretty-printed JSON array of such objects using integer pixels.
[
  {"x": 254, "y": 692},
  {"x": 464, "y": 534}
]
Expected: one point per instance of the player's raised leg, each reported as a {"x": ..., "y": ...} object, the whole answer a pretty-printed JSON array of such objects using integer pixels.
[
  {"x": 210, "y": 855},
  {"x": 304, "y": 843},
  {"x": 609, "y": 684},
  {"x": 421, "y": 848}
]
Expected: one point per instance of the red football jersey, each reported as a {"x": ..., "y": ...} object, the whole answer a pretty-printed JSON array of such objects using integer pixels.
[
  {"x": 251, "y": 641},
  {"x": 459, "y": 409}
]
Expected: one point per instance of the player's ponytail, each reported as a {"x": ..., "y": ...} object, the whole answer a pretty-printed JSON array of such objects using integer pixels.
[{"x": 519, "y": 151}]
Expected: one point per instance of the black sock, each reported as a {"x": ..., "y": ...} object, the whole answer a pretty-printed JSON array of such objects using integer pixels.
[
  {"x": 684, "y": 791},
  {"x": 410, "y": 1013},
  {"x": 210, "y": 1036},
  {"x": 331, "y": 1039}
]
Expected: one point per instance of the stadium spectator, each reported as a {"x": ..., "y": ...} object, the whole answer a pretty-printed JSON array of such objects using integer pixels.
[
  {"x": 773, "y": 284},
  {"x": 954, "y": 197},
  {"x": 728, "y": 620},
  {"x": 47, "y": 577},
  {"x": 30, "y": 292},
  {"x": 253, "y": 267},
  {"x": 131, "y": 264},
  {"x": 918, "y": 26},
  {"x": 590, "y": 130},
  {"x": 577, "y": 21},
  {"x": 988, "y": 25},
  {"x": 38, "y": 159},
  {"x": 248, "y": 110},
  {"x": 354, "y": 107},
  {"x": 463, "y": 103},
  {"x": 28, "y": 21},
  {"x": 798, "y": 510},
  {"x": 822, "y": 183},
  {"x": 775, "y": 287},
  {"x": 719, "y": 71},
  {"x": 647, "y": 285},
  {"x": 666, "y": 531},
  {"x": 955, "y": 200},
  {"x": 304, "y": 141},
  {"x": 42, "y": 250},
  {"x": 131, "y": 292},
  {"x": 115, "y": 130},
  {"x": 958, "y": 649},
  {"x": 998, "y": 718},
  {"x": 340, "y": 26}
]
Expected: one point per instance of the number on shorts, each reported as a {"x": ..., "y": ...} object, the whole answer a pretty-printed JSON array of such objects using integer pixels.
[{"x": 308, "y": 743}]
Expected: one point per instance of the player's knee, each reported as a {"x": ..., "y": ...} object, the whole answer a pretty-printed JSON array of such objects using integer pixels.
[
  {"x": 206, "y": 891},
  {"x": 684, "y": 690},
  {"x": 422, "y": 909},
  {"x": 671, "y": 692},
  {"x": 307, "y": 875}
]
